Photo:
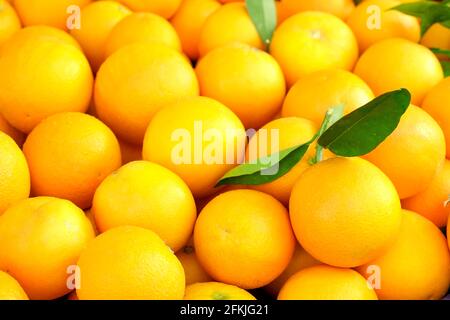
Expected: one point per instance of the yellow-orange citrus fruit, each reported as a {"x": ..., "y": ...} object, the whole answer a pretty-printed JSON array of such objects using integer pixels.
[
  {"x": 9, "y": 21},
  {"x": 188, "y": 22},
  {"x": 130, "y": 152},
  {"x": 55, "y": 13},
  {"x": 146, "y": 195},
  {"x": 312, "y": 41},
  {"x": 164, "y": 8},
  {"x": 200, "y": 146},
  {"x": 228, "y": 24},
  {"x": 437, "y": 36},
  {"x": 142, "y": 27},
  {"x": 69, "y": 154},
  {"x": 314, "y": 94},
  {"x": 91, "y": 218},
  {"x": 431, "y": 203},
  {"x": 240, "y": 232},
  {"x": 216, "y": 291},
  {"x": 345, "y": 212},
  {"x": 282, "y": 12},
  {"x": 412, "y": 155},
  {"x": 416, "y": 266},
  {"x": 326, "y": 283},
  {"x": 436, "y": 104},
  {"x": 14, "y": 174},
  {"x": 97, "y": 21},
  {"x": 279, "y": 135},
  {"x": 5, "y": 127},
  {"x": 372, "y": 21},
  {"x": 150, "y": 77},
  {"x": 237, "y": 75},
  {"x": 340, "y": 8},
  {"x": 193, "y": 271},
  {"x": 42, "y": 76},
  {"x": 42, "y": 239},
  {"x": 129, "y": 263},
  {"x": 10, "y": 289},
  {"x": 300, "y": 260},
  {"x": 387, "y": 66}
]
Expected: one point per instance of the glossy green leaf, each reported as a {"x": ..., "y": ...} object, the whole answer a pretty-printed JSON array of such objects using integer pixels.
[{"x": 264, "y": 16}]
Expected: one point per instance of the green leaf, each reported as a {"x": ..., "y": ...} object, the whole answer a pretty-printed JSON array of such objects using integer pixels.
[
  {"x": 364, "y": 129},
  {"x": 264, "y": 17},
  {"x": 446, "y": 67},
  {"x": 441, "y": 51},
  {"x": 429, "y": 12}
]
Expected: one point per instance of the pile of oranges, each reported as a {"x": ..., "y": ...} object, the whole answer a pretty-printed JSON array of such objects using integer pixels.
[{"x": 118, "y": 119}]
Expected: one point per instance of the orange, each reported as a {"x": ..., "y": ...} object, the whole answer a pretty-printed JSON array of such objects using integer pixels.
[
  {"x": 142, "y": 27},
  {"x": 431, "y": 203},
  {"x": 98, "y": 19},
  {"x": 164, "y": 8},
  {"x": 41, "y": 238},
  {"x": 314, "y": 94},
  {"x": 53, "y": 13},
  {"x": 216, "y": 291},
  {"x": 437, "y": 36},
  {"x": 412, "y": 155},
  {"x": 436, "y": 104},
  {"x": 386, "y": 66},
  {"x": 193, "y": 271},
  {"x": 42, "y": 76},
  {"x": 129, "y": 263},
  {"x": 5, "y": 127},
  {"x": 345, "y": 212},
  {"x": 326, "y": 283},
  {"x": 91, "y": 218},
  {"x": 312, "y": 41},
  {"x": 69, "y": 154},
  {"x": 130, "y": 152},
  {"x": 200, "y": 146},
  {"x": 14, "y": 174},
  {"x": 300, "y": 260},
  {"x": 150, "y": 77},
  {"x": 244, "y": 238},
  {"x": 373, "y": 21},
  {"x": 340, "y": 8},
  {"x": 279, "y": 135},
  {"x": 282, "y": 12},
  {"x": 228, "y": 24},
  {"x": 247, "y": 80},
  {"x": 146, "y": 195},
  {"x": 9, "y": 21},
  {"x": 417, "y": 266},
  {"x": 10, "y": 289},
  {"x": 188, "y": 22}
]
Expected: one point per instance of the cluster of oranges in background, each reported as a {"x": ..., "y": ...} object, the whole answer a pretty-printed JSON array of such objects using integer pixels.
[{"x": 92, "y": 205}]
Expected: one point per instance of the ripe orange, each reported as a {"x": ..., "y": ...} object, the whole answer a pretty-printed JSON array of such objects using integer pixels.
[
  {"x": 5, "y": 127},
  {"x": 14, "y": 174},
  {"x": 279, "y": 135},
  {"x": 340, "y": 8},
  {"x": 437, "y": 36},
  {"x": 216, "y": 291},
  {"x": 200, "y": 146},
  {"x": 42, "y": 76},
  {"x": 98, "y": 19},
  {"x": 193, "y": 271},
  {"x": 326, "y": 283},
  {"x": 188, "y": 22},
  {"x": 417, "y": 266},
  {"x": 387, "y": 66},
  {"x": 228, "y": 24},
  {"x": 373, "y": 21},
  {"x": 314, "y": 94},
  {"x": 41, "y": 238},
  {"x": 164, "y": 8},
  {"x": 240, "y": 232},
  {"x": 150, "y": 77},
  {"x": 9, "y": 21},
  {"x": 10, "y": 289},
  {"x": 312, "y": 41},
  {"x": 412, "y": 155},
  {"x": 142, "y": 27},
  {"x": 69, "y": 154},
  {"x": 247, "y": 80},
  {"x": 53, "y": 13},
  {"x": 129, "y": 263},
  {"x": 431, "y": 203},
  {"x": 146, "y": 195},
  {"x": 345, "y": 211},
  {"x": 436, "y": 104}
]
